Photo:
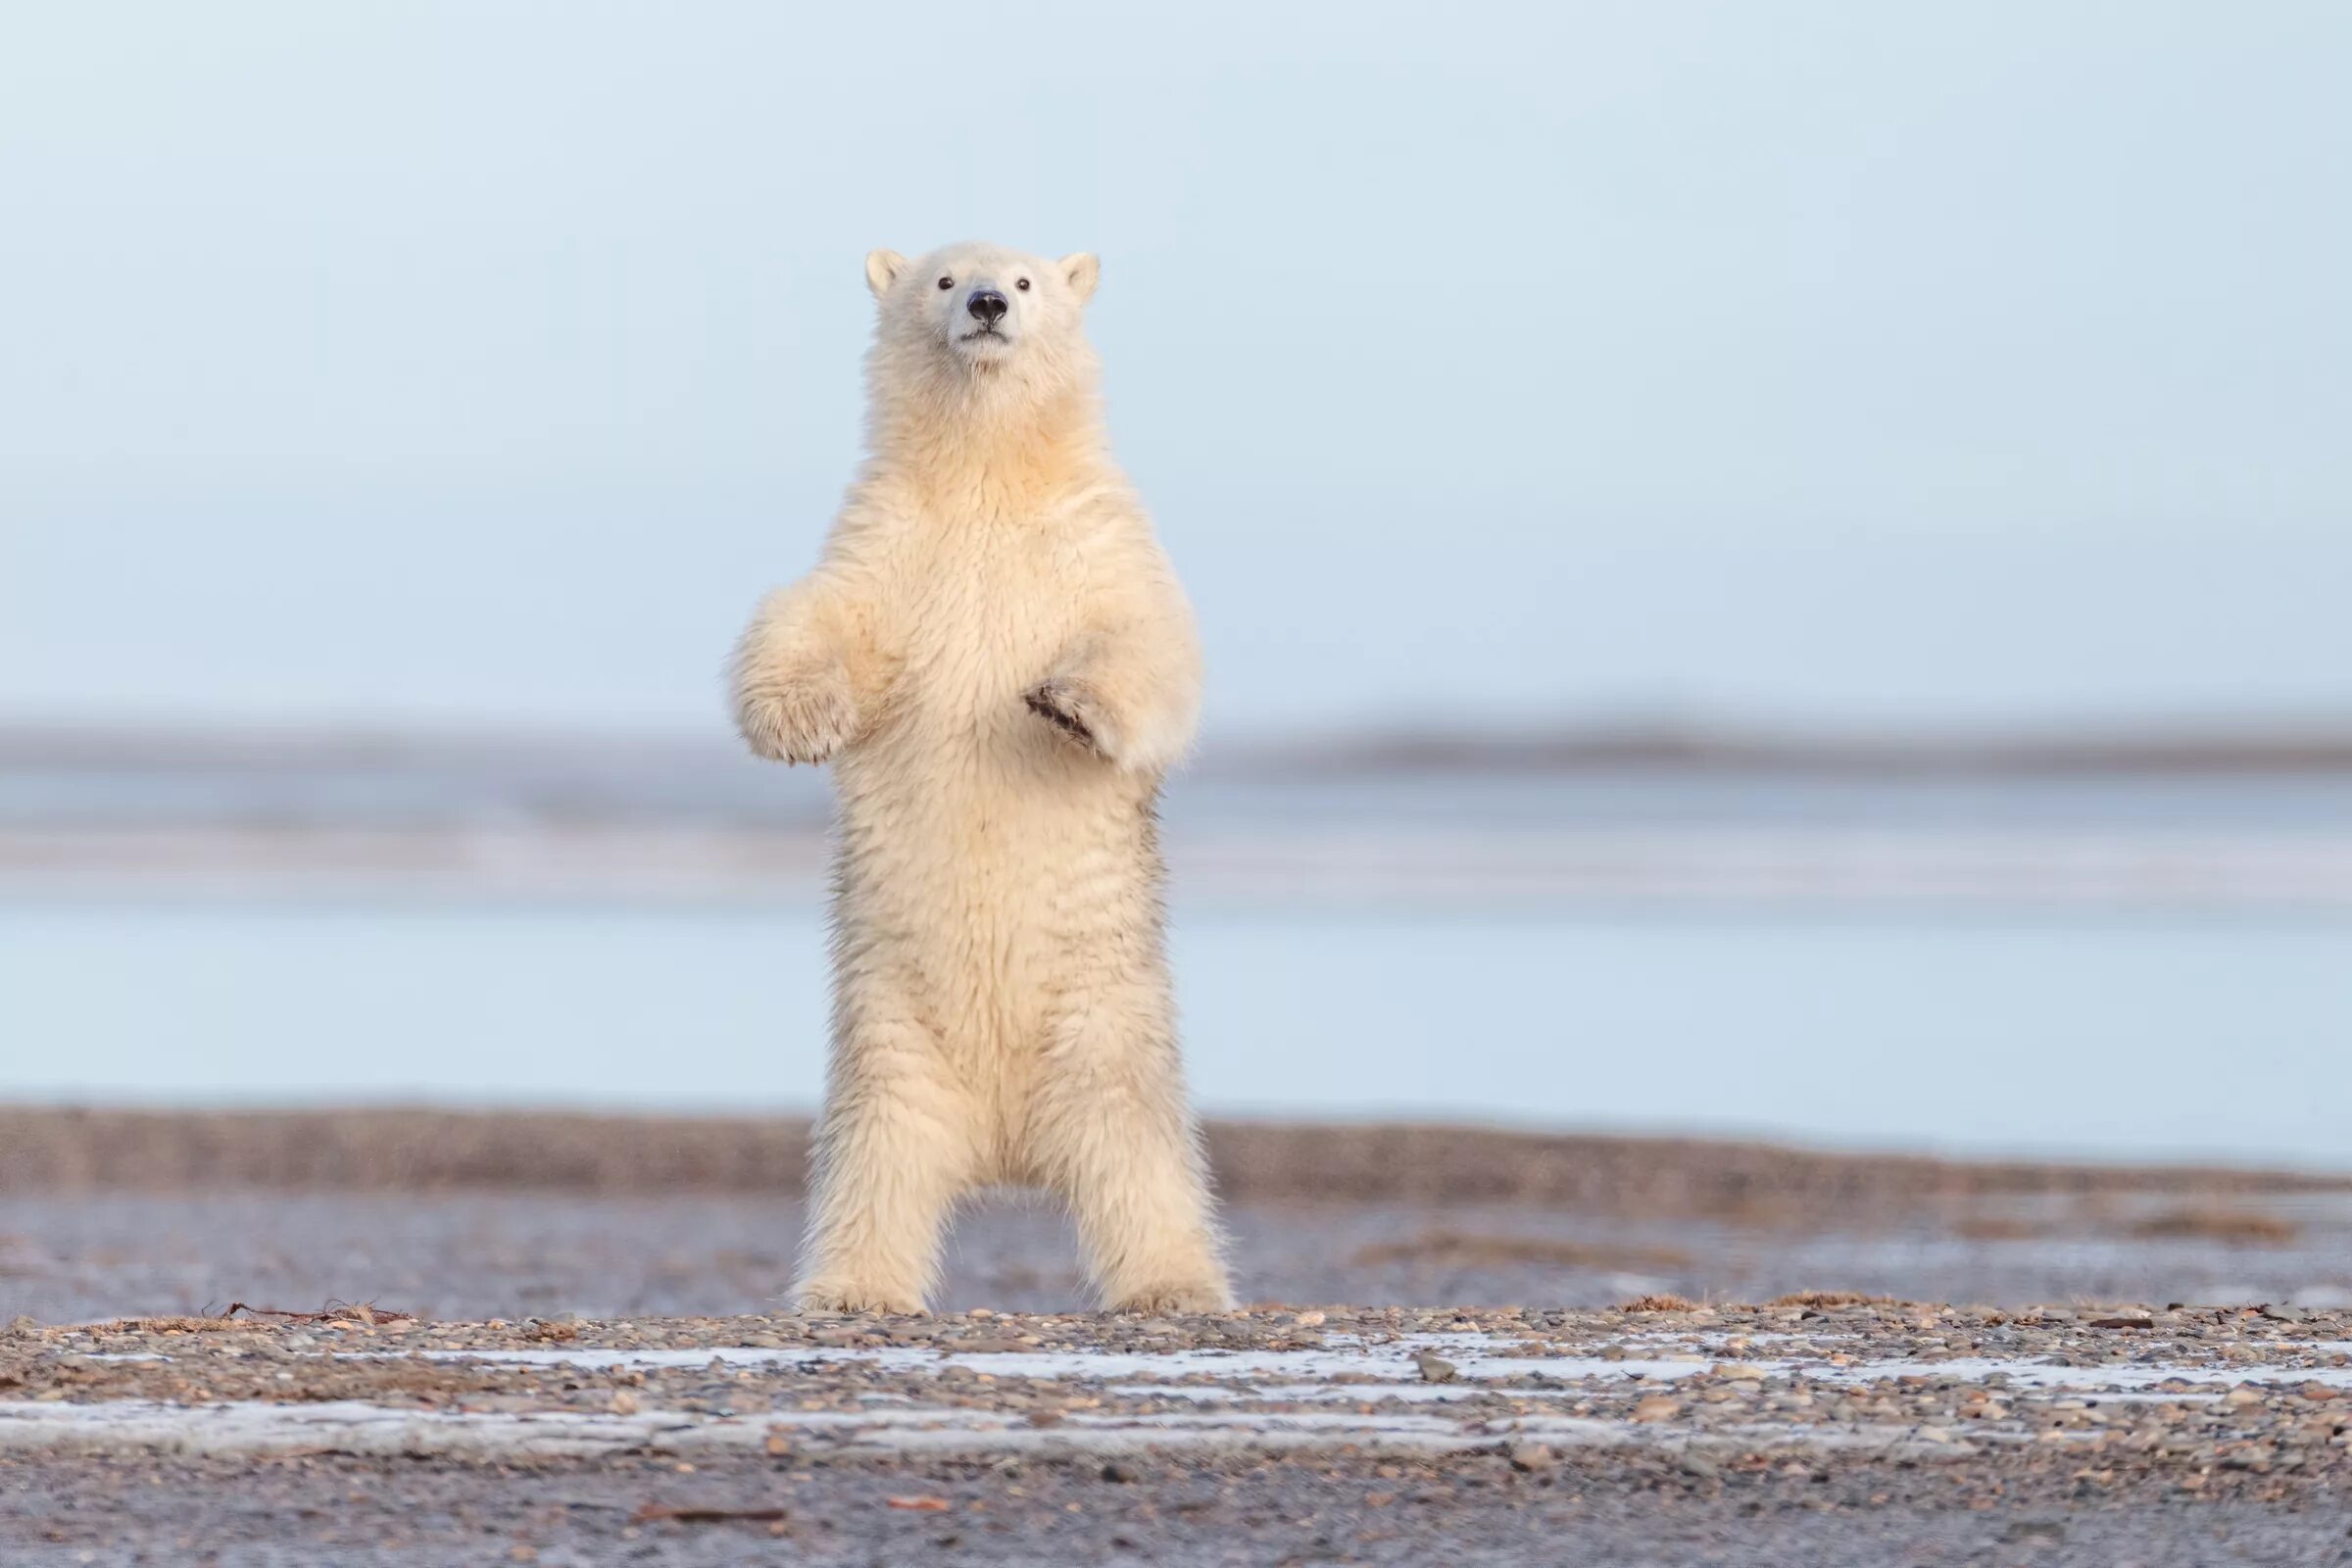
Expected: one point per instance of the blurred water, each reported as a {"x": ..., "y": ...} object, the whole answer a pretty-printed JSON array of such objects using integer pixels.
[{"x": 2106, "y": 1034}]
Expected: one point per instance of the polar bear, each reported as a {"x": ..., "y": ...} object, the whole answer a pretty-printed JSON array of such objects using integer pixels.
[{"x": 995, "y": 656}]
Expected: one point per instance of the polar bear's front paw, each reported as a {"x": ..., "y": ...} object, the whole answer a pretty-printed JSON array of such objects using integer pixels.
[
  {"x": 1069, "y": 706},
  {"x": 801, "y": 718}
]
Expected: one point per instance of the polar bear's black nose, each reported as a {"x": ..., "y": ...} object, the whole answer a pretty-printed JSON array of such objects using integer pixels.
[{"x": 987, "y": 306}]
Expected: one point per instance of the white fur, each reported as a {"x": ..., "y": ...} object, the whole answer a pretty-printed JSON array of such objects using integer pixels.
[{"x": 998, "y": 660}]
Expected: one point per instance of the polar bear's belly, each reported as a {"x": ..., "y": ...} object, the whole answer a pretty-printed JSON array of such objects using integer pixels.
[{"x": 984, "y": 875}]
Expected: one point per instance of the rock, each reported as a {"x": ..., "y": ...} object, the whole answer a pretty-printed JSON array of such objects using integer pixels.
[
  {"x": 1657, "y": 1407},
  {"x": 1435, "y": 1369},
  {"x": 1699, "y": 1465},
  {"x": 1533, "y": 1457},
  {"x": 624, "y": 1402}
]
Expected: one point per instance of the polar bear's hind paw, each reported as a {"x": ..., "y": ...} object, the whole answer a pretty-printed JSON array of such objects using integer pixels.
[
  {"x": 1203, "y": 1298},
  {"x": 822, "y": 1296}
]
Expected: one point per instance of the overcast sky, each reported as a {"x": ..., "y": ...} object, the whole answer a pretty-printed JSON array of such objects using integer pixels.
[{"x": 482, "y": 362}]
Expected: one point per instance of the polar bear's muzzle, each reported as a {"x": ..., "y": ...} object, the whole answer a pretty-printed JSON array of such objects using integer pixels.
[{"x": 987, "y": 318}]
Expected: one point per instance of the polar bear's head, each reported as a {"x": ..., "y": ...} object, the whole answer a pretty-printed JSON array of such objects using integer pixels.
[{"x": 982, "y": 316}]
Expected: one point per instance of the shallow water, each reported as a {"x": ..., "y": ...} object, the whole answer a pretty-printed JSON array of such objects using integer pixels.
[
  {"x": 469, "y": 1253},
  {"x": 2093, "y": 1033}
]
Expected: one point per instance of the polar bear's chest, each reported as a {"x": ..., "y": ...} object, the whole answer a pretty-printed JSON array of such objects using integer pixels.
[{"x": 984, "y": 624}]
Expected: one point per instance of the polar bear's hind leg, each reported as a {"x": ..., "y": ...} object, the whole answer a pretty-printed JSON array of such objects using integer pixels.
[
  {"x": 892, "y": 1155},
  {"x": 1110, "y": 1131}
]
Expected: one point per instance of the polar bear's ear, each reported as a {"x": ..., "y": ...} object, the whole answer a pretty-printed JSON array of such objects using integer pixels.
[
  {"x": 882, "y": 269},
  {"x": 1084, "y": 269}
]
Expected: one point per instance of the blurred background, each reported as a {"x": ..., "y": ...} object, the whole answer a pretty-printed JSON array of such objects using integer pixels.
[{"x": 1777, "y": 569}]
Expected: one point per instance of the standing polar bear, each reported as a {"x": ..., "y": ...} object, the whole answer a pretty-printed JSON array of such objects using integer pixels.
[{"x": 998, "y": 660}]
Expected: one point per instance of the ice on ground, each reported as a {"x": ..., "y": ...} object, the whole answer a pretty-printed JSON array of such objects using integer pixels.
[
  {"x": 1353, "y": 1390},
  {"x": 1475, "y": 1358}
]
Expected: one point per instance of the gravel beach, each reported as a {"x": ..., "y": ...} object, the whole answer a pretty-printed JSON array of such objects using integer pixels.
[{"x": 1652, "y": 1352}]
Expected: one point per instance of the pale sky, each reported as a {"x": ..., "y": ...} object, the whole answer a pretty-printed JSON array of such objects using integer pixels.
[{"x": 482, "y": 362}]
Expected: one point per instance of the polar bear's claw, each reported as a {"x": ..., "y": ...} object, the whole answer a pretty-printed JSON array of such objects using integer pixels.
[
  {"x": 824, "y": 1296},
  {"x": 1206, "y": 1298},
  {"x": 1061, "y": 704},
  {"x": 803, "y": 720}
]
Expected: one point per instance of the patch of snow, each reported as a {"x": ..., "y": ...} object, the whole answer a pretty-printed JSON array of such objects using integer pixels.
[{"x": 1477, "y": 1358}]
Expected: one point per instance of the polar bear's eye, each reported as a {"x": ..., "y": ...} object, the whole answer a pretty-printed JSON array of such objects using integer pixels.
[
  {"x": 1023, "y": 285},
  {"x": 947, "y": 282}
]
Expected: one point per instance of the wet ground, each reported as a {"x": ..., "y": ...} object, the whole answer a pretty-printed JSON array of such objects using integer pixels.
[
  {"x": 463, "y": 1254},
  {"x": 1597, "y": 1511}
]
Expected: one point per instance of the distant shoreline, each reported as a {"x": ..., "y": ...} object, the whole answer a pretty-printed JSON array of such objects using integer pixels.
[
  {"x": 2023, "y": 751},
  {"x": 2211, "y": 817},
  {"x": 65, "y": 1149}
]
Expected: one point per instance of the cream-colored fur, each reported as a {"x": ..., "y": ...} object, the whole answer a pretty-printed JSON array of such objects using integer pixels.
[{"x": 998, "y": 660}]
